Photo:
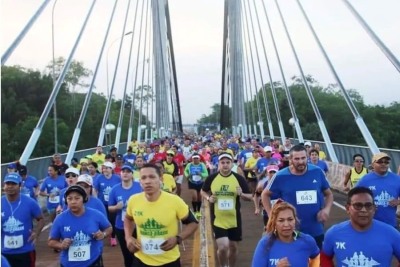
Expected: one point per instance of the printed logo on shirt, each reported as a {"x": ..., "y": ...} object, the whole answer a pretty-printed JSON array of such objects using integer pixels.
[
  {"x": 138, "y": 213},
  {"x": 273, "y": 262},
  {"x": 67, "y": 228},
  {"x": 360, "y": 260},
  {"x": 13, "y": 225},
  {"x": 153, "y": 228},
  {"x": 341, "y": 245},
  {"x": 372, "y": 187},
  {"x": 383, "y": 199},
  {"x": 314, "y": 181}
]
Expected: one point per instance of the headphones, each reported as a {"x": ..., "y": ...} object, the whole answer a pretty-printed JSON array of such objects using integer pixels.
[{"x": 76, "y": 188}]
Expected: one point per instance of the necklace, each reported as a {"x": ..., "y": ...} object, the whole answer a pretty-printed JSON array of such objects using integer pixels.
[{"x": 11, "y": 208}]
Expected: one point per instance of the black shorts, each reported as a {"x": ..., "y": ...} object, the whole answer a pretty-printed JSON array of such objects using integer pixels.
[
  {"x": 233, "y": 234},
  {"x": 139, "y": 263},
  {"x": 27, "y": 259},
  {"x": 194, "y": 186}
]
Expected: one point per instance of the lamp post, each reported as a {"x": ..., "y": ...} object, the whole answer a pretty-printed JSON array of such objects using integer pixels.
[
  {"x": 292, "y": 123},
  {"x": 161, "y": 133},
  {"x": 109, "y": 128},
  {"x": 108, "y": 51},
  {"x": 54, "y": 79},
  {"x": 240, "y": 130},
  {"x": 140, "y": 129}
]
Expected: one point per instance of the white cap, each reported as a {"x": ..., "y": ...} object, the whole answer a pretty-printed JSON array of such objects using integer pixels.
[
  {"x": 267, "y": 149},
  {"x": 308, "y": 143},
  {"x": 108, "y": 164},
  {"x": 72, "y": 170},
  {"x": 225, "y": 156},
  {"x": 85, "y": 178}
]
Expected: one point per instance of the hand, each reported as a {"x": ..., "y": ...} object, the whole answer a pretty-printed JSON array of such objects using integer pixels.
[
  {"x": 284, "y": 262},
  {"x": 212, "y": 199},
  {"x": 322, "y": 215},
  {"x": 120, "y": 205},
  {"x": 66, "y": 243},
  {"x": 99, "y": 235},
  {"x": 394, "y": 202},
  {"x": 257, "y": 211},
  {"x": 33, "y": 237},
  {"x": 239, "y": 190},
  {"x": 169, "y": 244},
  {"x": 132, "y": 244}
]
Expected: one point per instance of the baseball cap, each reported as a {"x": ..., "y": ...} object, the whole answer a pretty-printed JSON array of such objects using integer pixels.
[
  {"x": 171, "y": 152},
  {"x": 13, "y": 178},
  {"x": 84, "y": 160},
  {"x": 380, "y": 155},
  {"x": 23, "y": 170},
  {"x": 76, "y": 188},
  {"x": 72, "y": 170},
  {"x": 308, "y": 143},
  {"x": 85, "y": 178},
  {"x": 127, "y": 167},
  {"x": 119, "y": 156},
  {"x": 195, "y": 156},
  {"x": 272, "y": 168},
  {"x": 108, "y": 164},
  {"x": 225, "y": 156},
  {"x": 267, "y": 149},
  {"x": 12, "y": 166}
]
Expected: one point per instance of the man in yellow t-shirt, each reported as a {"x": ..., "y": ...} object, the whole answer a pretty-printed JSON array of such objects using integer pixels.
[
  {"x": 224, "y": 190},
  {"x": 158, "y": 234}
]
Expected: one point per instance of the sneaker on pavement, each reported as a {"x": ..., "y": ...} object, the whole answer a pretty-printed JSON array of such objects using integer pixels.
[{"x": 113, "y": 241}]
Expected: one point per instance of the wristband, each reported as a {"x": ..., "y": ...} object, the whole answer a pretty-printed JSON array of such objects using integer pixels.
[
  {"x": 178, "y": 239},
  {"x": 104, "y": 235}
]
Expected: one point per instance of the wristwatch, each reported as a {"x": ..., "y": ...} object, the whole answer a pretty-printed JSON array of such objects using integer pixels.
[{"x": 178, "y": 239}]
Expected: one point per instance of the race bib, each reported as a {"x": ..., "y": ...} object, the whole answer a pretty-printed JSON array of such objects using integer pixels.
[
  {"x": 196, "y": 178},
  {"x": 79, "y": 253},
  {"x": 106, "y": 197},
  {"x": 54, "y": 199},
  {"x": 306, "y": 197},
  {"x": 151, "y": 246},
  {"x": 225, "y": 204},
  {"x": 13, "y": 242}
]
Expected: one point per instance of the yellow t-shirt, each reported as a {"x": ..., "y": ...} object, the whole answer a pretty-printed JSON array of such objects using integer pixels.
[
  {"x": 322, "y": 155},
  {"x": 169, "y": 184},
  {"x": 169, "y": 168},
  {"x": 226, "y": 209},
  {"x": 355, "y": 176},
  {"x": 156, "y": 222},
  {"x": 99, "y": 159},
  {"x": 136, "y": 175},
  {"x": 251, "y": 163}
]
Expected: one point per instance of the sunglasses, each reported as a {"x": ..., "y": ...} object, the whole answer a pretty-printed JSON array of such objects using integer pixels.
[
  {"x": 170, "y": 155},
  {"x": 382, "y": 162},
  {"x": 70, "y": 175},
  {"x": 359, "y": 206}
]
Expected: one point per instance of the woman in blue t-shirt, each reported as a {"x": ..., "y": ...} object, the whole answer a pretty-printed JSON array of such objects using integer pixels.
[
  {"x": 79, "y": 231},
  {"x": 282, "y": 245}
]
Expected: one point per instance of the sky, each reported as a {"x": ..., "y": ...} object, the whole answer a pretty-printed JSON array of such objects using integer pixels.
[{"x": 197, "y": 32}]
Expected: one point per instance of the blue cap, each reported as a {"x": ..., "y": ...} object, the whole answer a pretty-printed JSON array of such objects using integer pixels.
[
  {"x": 12, "y": 166},
  {"x": 127, "y": 167},
  {"x": 13, "y": 178}
]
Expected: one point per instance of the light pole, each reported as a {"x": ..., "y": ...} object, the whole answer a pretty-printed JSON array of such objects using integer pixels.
[
  {"x": 140, "y": 129},
  {"x": 54, "y": 80},
  {"x": 109, "y": 128},
  {"x": 291, "y": 123},
  {"x": 108, "y": 51}
]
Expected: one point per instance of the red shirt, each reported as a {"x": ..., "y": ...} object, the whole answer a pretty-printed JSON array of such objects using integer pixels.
[
  {"x": 160, "y": 156},
  {"x": 179, "y": 159}
]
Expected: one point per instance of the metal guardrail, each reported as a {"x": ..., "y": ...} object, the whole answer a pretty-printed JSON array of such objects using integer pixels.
[{"x": 38, "y": 166}]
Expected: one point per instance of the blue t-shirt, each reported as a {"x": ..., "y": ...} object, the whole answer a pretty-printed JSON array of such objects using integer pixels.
[
  {"x": 16, "y": 224},
  {"x": 263, "y": 162},
  {"x": 298, "y": 252},
  {"x": 305, "y": 193},
  {"x": 53, "y": 186},
  {"x": 129, "y": 158},
  {"x": 104, "y": 185},
  {"x": 322, "y": 164},
  {"x": 372, "y": 247},
  {"x": 4, "y": 262},
  {"x": 245, "y": 155},
  {"x": 93, "y": 203},
  {"x": 117, "y": 194},
  {"x": 384, "y": 188},
  {"x": 28, "y": 186},
  {"x": 84, "y": 249}
]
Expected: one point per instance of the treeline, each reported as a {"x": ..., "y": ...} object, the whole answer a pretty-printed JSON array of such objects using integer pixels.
[
  {"x": 382, "y": 121},
  {"x": 24, "y": 95}
]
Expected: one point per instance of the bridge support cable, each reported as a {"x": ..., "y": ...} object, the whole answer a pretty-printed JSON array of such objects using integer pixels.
[
  {"x": 139, "y": 127},
  {"x": 248, "y": 103},
  {"x": 178, "y": 126},
  {"x": 263, "y": 85},
  {"x": 77, "y": 131},
  {"x": 122, "y": 108},
  {"x": 374, "y": 37},
  {"x": 359, "y": 120},
  {"x": 38, "y": 130},
  {"x": 22, "y": 34},
  {"x": 236, "y": 65},
  {"x": 161, "y": 66},
  {"x": 288, "y": 96},
  {"x": 134, "y": 87},
  {"x": 310, "y": 95},
  {"x": 259, "y": 123},
  {"x": 109, "y": 100},
  {"x": 224, "y": 114},
  {"x": 271, "y": 82}
]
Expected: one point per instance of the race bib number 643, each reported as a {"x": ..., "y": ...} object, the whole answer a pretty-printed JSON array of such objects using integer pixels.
[{"x": 306, "y": 197}]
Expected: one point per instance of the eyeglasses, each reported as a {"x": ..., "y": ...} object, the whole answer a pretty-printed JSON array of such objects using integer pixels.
[
  {"x": 359, "y": 206},
  {"x": 359, "y": 161},
  {"x": 382, "y": 162},
  {"x": 68, "y": 175},
  {"x": 170, "y": 155}
]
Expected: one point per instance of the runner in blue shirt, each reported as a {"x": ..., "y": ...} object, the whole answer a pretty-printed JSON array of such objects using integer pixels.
[
  {"x": 79, "y": 231},
  {"x": 29, "y": 184},
  {"x": 360, "y": 241},
  {"x": 18, "y": 236},
  {"x": 283, "y": 245},
  {"x": 86, "y": 181},
  {"x": 51, "y": 188},
  {"x": 385, "y": 186},
  {"x": 117, "y": 203}
]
